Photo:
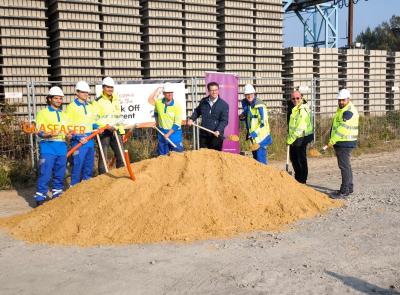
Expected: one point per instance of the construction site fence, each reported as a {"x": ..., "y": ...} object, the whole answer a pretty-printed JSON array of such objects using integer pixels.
[{"x": 377, "y": 101}]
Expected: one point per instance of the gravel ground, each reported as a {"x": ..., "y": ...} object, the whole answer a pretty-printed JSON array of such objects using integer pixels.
[{"x": 351, "y": 250}]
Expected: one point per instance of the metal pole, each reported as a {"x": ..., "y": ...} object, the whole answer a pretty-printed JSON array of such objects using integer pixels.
[
  {"x": 313, "y": 90},
  {"x": 350, "y": 25},
  {"x": 197, "y": 129},
  {"x": 193, "y": 127},
  {"x": 30, "y": 116},
  {"x": 34, "y": 116}
]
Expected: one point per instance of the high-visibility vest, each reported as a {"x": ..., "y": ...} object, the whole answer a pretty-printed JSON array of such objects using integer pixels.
[
  {"x": 168, "y": 115},
  {"x": 81, "y": 115},
  {"x": 255, "y": 122},
  {"x": 52, "y": 120},
  {"x": 300, "y": 124},
  {"x": 344, "y": 130},
  {"x": 108, "y": 111}
]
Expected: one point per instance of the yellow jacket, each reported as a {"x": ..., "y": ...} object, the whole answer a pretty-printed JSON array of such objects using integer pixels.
[{"x": 108, "y": 111}]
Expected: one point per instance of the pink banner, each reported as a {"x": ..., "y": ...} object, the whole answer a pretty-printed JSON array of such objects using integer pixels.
[{"x": 228, "y": 91}]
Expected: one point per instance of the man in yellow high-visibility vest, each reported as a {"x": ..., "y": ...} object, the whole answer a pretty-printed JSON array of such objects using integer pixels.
[
  {"x": 51, "y": 123},
  {"x": 108, "y": 111},
  {"x": 343, "y": 138},
  {"x": 300, "y": 134},
  {"x": 82, "y": 114},
  {"x": 168, "y": 116},
  {"x": 255, "y": 115}
]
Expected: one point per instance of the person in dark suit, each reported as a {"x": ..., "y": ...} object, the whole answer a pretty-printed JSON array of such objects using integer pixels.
[{"x": 214, "y": 113}]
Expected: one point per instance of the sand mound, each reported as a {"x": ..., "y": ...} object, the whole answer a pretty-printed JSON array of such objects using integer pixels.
[{"x": 189, "y": 196}]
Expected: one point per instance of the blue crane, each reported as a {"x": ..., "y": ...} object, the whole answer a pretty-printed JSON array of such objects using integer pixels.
[{"x": 320, "y": 19}]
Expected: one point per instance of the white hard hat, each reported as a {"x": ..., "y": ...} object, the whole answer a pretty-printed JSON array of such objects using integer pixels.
[
  {"x": 344, "y": 94},
  {"x": 82, "y": 86},
  {"x": 56, "y": 91},
  {"x": 168, "y": 87},
  {"x": 108, "y": 81},
  {"x": 249, "y": 89}
]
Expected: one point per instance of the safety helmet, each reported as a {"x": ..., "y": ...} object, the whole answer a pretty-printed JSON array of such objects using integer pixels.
[
  {"x": 56, "y": 91},
  {"x": 249, "y": 89},
  {"x": 82, "y": 86},
  {"x": 108, "y": 81},
  {"x": 168, "y": 87},
  {"x": 344, "y": 94}
]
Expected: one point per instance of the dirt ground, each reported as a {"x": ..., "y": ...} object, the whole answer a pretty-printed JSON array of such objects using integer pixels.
[{"x": 352, "y": 250}]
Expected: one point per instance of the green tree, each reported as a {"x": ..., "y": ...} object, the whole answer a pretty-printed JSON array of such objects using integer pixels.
[{"x": 386, "y": 36}]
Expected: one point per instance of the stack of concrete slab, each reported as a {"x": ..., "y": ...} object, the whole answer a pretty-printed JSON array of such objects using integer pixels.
[
  {"x": 390, "y": 89},
  {"x": 353, "y": 71},
  {"x": 327, "y": 79},
  {"x": 396, "y": 85},
  {"x": 200, "y": 36},
  {"x": 251, "y": 44},
  {"x": 377, "y": 81},
  {"x": 75, "y": 42},
  {"x": 121, "y": 39},
  {"x": 23, "y": 49},
  {"x": 298, "y": 67},
  {"x": 268, "y": 60},
  {"x": 200, "y": 42},
  {"x": 163, "y": 27}
]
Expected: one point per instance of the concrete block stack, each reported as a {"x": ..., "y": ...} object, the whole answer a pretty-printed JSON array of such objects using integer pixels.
[
  {"x": 200, "y": 42},
  {"x": 163, "y": 26},
  {"x": 327, "y": 79},
  {"x": 23, "y": 49},
  {"x": 268, "y": 26},
  {"x": 75, "y": 43},
  {"x": 397, "y": 81},
  {"x": 353, "y": 71},
  {"x": 377, "y": 60},
  {"x": 390, "y": 82},
  {"x": 298, "y": 67},
  {"x": 251, "y": 45},
  {"x": 121, "y": 39}
]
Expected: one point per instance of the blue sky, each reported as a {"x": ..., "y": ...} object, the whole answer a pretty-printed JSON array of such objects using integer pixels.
[{"x": 366, "y": 13}]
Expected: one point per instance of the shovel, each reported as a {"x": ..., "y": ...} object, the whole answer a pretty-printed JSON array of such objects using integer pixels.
[
  {"x": 169, "y": 140},
  {"x": 232, "y": 137},
  {"x": 287, "y": 159}
]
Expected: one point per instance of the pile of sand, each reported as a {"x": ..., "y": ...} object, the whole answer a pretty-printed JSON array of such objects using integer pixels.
[{"x": 188, "y": 196}]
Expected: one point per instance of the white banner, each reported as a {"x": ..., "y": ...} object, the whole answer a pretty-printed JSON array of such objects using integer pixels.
[{"x": 137, "y": 101}]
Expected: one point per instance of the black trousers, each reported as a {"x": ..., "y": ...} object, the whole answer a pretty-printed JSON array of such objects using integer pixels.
[
  {"x": 107, "y": 140},
  {"x": 209, "y": 141},
  {"x": 343, "y": 155},
  {"x": 298, "y": 157}
]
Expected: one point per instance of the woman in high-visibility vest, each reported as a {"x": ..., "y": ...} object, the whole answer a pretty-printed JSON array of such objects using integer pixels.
[
  {"x": 51, "y": 126},
  {"x": 82, "y": 114},
  {"x": 300, "y": 134},
  {"x": 255, "y": 115}
]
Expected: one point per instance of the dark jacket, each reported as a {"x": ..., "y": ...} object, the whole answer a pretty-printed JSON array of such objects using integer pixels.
[{"x": 215, "y": 118}]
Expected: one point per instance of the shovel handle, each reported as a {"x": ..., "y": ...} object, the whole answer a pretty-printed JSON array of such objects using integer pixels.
[
  {"x": 287, "y": 157},
  {"x": 169, "y": 140},
  {"x": 98, "y": 131},
  {"x": 204, "y": 128}
]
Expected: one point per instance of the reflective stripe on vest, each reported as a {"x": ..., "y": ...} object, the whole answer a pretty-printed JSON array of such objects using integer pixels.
[
  {"x": 344, "y": 130},
  {"x": 254, "y": 121},
  {"x": 300, "y": 124},
  {"x": 168, "y": 115}
]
